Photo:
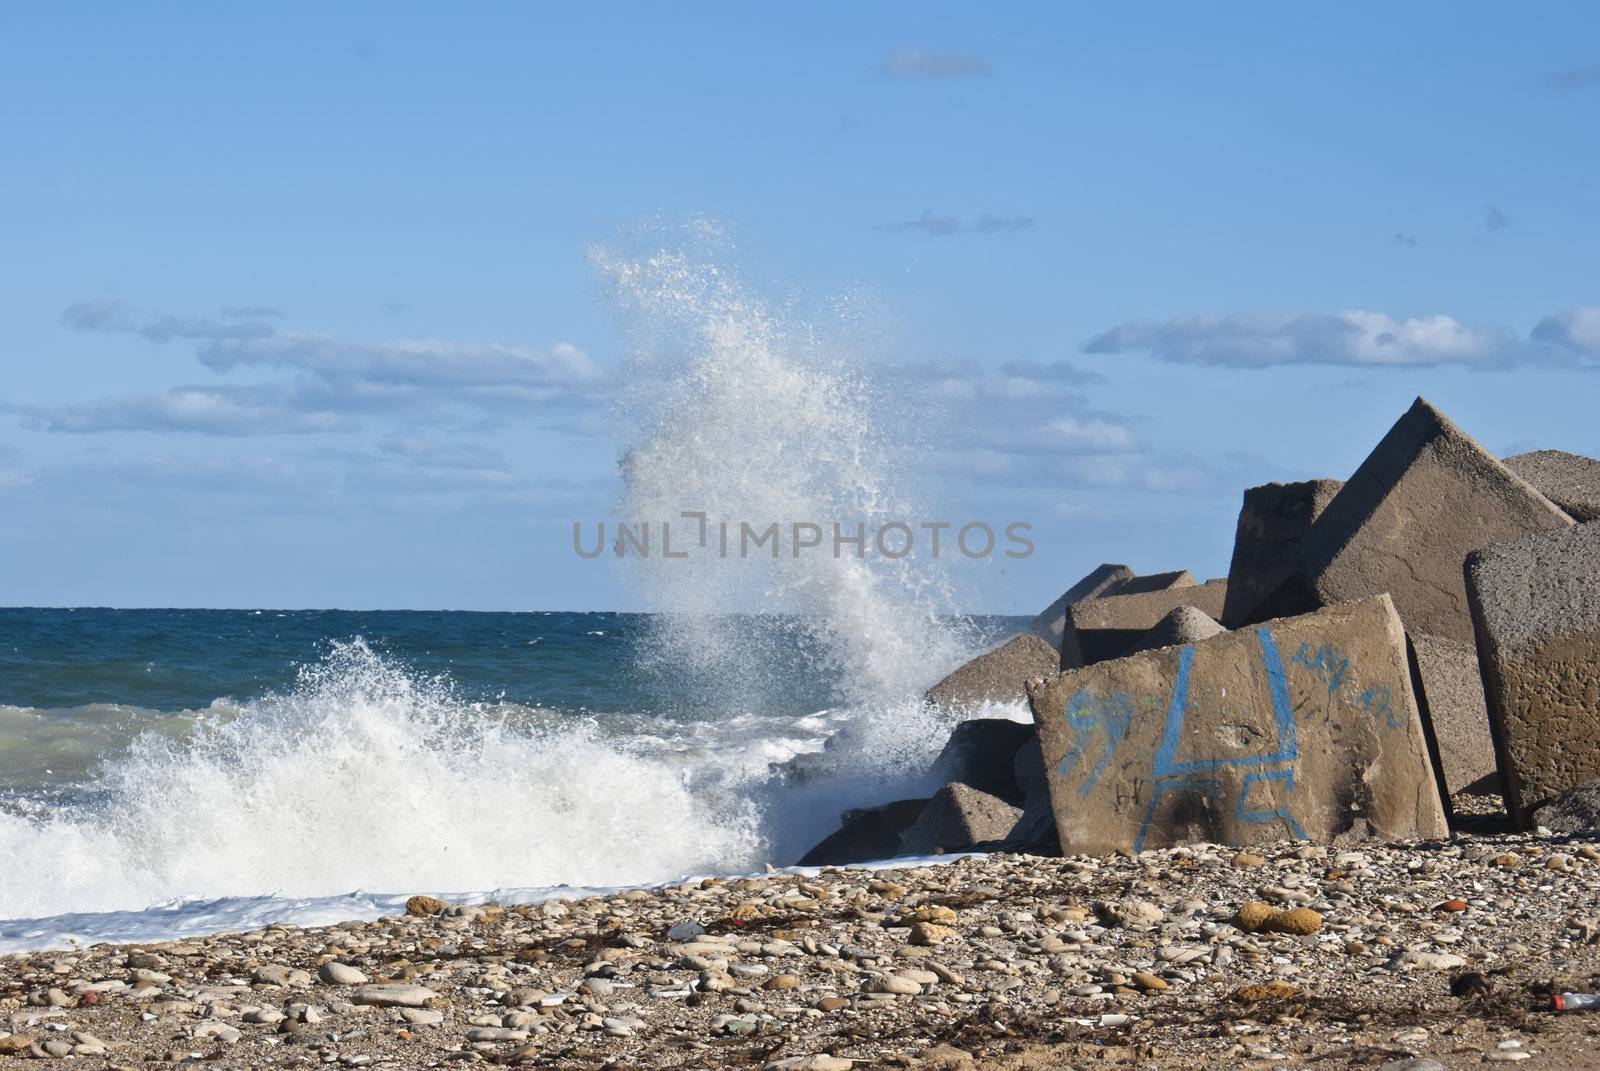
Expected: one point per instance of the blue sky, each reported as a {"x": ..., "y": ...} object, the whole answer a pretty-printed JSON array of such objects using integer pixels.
[{"x": 294, "y": 307}]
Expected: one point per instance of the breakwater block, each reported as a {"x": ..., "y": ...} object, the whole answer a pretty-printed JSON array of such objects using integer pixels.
[
  {"x": 1098, "y": 629},
  {"x": 996, "y": 676},
  {"x": 1424, "y": 499},
  {"x": 1273, "y": 522},
  {"x": 1302, "y": 728},
  {"x": 1536, "y": 607}
]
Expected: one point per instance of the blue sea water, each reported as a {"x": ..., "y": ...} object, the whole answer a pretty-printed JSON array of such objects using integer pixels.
[{"x": 170, "y": 771}]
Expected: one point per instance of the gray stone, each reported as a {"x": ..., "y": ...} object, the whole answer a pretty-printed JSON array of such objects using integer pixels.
[
  {"x": 335, "y": 973},
  {"x": 1571, "y": 481},
  {"x": 685, "y": 931},
  {"x": 394, "y": 996},
  {"x": 1536, "y": 607},
  {"x": 1184, "y": 625},
  {"x": 1098, "y": 629},
  {"x": 1577, "y": 810},
  {"x": 1273, "y": 523},
  {"x": 1304, "y": 727},
  {"x": 997, "y": 676},
  {"x": 1103, "y": 577},
  {"x": 1452, "y": 694},
  {"x": 1424, "y": 499},
  {"x": 959, "y": 817},
  {"x": 981, "y": 754}
]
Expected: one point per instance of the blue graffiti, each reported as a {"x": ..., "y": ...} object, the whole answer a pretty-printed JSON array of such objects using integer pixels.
[
  {"x": 1327, "y": 664},
  {"x": 1086, "y": 712},
  {"x": 1172, "y": 775}
]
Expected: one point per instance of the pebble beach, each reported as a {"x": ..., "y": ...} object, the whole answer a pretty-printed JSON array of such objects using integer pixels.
[{"x": 1411, "y": 956}]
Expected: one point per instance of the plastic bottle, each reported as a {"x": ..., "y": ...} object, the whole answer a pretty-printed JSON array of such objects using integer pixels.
[{"x": 1575, "y": 1001}]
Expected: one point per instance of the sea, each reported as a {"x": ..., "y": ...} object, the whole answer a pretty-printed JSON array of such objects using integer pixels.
[{"x": 173, "y": 772}]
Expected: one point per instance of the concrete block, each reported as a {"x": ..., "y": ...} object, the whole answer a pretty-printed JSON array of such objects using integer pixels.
[
  {"x": 959, "y": 817},
  {"x": 1452, "y": 692},
  {"x": 996, "y": 676},
  {"x": 1098, "y": 629},
  {"x": 1300, "y": 728},
  {"x": 1184, "y": 625},
  {"x": 1571, "y": 481},
  {"x": 1100, "y": 581},
  {"x": 1536, "y": 607},
  {"x": 981, "y": 753},
  {"x": 1424, "y": 499},
  {"x": 1273, "y": 523}
]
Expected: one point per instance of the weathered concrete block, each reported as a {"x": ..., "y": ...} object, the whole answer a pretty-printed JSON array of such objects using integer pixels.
[
  {"x": 1273, "y": 523},
  {"x": 981, "y": 754},
  {"x": 1405, "y": 522},
  {"x": 1452, "y": 691},
  {"x": 1536, "y": 607},
  {"x": 996, "y": 676},
  {"x": 866, "y": 834},
  {"x": 1035, "y": 831},
  {"x": 958, "y": 817},
  {"x": 1571, "y": 481},
  {"x": 1098, "y": 629},
  {"x": 1101, "y": 580},
  {"x": 1304, "y": 727},
  {"x": 1183, "y": 625},
  {"x": 1138, "y": 585},
  {"x": 1577, "y": 810}
]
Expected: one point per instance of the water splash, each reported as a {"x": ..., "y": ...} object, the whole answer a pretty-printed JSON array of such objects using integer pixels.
[
  {"x": 752, "y": 414},
  {"x": 365, "y": 777}
]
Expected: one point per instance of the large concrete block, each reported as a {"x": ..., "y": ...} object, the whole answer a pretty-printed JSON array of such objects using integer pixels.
[
  {"x": 959, "y": 816},
  {"x": 1404, "y": 523},
  {"x": 1098, "y": 629},
  {"x": 996, "y": 676},
  {"x": 1300, "y": 728},
  {"x": 982, "y": 753},
  {"x": 1536, "y": 607},
  {"x": 1138, "y": 585},
  {"x": 1099, "y": 582},
  {"x": 1183, "y": 625},
  {"x": 1571, "y": 481},
  {"x": 1273, "y": 522},
  {"x": 1452, "y": 691},
  {"x": 1035, "y": 831}
]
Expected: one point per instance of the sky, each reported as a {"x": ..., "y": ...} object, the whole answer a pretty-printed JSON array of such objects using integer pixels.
[{"x": 296, "y": 308}]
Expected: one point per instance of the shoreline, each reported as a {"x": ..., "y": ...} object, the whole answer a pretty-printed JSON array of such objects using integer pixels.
[{"x": 1441, "y": 950}]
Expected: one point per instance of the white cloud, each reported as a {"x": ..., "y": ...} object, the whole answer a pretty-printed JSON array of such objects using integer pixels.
[
  {"x": 192, "y": 409},
  {"x": 1576, "y": 329},
  {"x": 1357, "y": 337},
  {"x": 326, "y": 380}
]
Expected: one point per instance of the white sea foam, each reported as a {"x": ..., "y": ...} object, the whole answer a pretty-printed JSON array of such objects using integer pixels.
[{"x": 363, "y": 777}]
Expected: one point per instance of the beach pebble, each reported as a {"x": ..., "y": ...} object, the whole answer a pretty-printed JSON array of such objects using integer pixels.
[
  {"x": 335, "y": 973},
  {"x": 393, "y": 996}
]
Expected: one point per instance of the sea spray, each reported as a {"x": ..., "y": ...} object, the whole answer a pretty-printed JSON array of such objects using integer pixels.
[
  {"x": 747, "y": 414},
  {"x": 366, "y": 777}
]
